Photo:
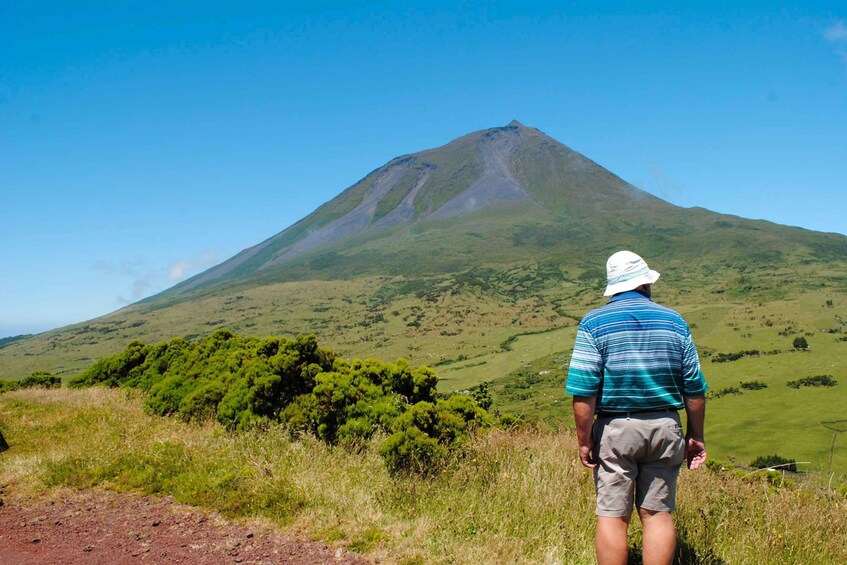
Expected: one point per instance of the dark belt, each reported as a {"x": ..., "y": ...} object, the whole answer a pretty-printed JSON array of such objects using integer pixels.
[{"x": 629, "y": 413}]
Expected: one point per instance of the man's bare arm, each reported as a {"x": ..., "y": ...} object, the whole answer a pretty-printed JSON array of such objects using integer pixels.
[
  {"x": 583, "y": 414},
  {"x": 695, "y": 444}
]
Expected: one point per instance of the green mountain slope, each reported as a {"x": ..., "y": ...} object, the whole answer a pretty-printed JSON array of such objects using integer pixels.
[{"x": 497, "y": 196}]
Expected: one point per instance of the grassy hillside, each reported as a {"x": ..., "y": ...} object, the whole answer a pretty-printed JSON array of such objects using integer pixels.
[
  {"x": 506, "y": 325},
  {"x": 510, "y": 497},
  {"x": 793, "y": 422}
]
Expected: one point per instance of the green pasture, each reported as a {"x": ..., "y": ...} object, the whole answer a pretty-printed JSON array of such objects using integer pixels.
[
  {"x": 794, "y": 423},
  {"x": 525, "y": 350}
]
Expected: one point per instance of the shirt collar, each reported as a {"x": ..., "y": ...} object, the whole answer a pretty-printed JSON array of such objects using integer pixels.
[{"x": 628, "y": 295}]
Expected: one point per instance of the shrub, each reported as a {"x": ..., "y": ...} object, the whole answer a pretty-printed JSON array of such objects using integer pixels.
[
  {"x": 800, "y": 343},
  {"x": 726, "y": 391},
  {"x": 508, "y": 420},
  {"x": 817, "y": 380},
  {"x": 202, "y": 402},
  {"x": 239, "y": 380},
  {"x": 411, "y": 451},
  {"x": 753, "y": 385},
  {"x": 715, "y": 466},
  {"x": 40, "y": 379},
  {"x": 352, "y": 403},
  {"x": 245, "y": 382},
  {"x": 727, "y": 357},
  {"x": 482, "y": 395},
  {"x": 771, "y": 461}
]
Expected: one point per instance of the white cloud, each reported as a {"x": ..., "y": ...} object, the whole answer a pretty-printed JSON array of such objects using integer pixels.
[
  {"x": 146, "y": 280},
  {"x": 836, "y": 33},
  {"x": 184, "y": 268}
]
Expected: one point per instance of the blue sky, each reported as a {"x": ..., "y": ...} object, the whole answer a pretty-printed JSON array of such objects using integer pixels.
[{"x": 143, "y": 142}]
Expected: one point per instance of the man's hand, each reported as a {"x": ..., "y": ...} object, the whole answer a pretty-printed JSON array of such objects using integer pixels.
[
  {"x": 695, "y": 452},
  {"x": 695, "y": 446},
  {"x": 583, "y": 413},
  {"x": 586, "y": 456}
]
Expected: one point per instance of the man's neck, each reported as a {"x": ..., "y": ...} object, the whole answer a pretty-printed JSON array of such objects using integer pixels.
[{"x": 635, "y": 293}]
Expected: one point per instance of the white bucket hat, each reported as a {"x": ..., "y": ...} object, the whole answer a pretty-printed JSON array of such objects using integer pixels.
[{"x": 626, "y": 270}]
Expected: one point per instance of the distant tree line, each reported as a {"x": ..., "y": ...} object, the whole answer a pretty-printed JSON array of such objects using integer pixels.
[{"x": 245, "y": 382}]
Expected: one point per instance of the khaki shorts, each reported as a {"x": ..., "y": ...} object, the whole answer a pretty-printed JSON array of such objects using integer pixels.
[{"x": 638, "y": 454}]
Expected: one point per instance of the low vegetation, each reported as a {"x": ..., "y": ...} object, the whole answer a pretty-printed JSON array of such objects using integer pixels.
[
  {"x": 815, "y": 381},
  {"x": 726, "y": 357},
  {"x": 517, "y": 496},
  {"x": 753, "y": 385},
  {"x": 725, "y": 391},
  {"x": 38, "y": 379},
  {"x": 247, "y": 382},
  {"x": 774, "y": 462}
]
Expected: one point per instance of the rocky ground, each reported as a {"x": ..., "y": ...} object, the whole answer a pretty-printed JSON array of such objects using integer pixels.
[{"x": 94, "y": 527}]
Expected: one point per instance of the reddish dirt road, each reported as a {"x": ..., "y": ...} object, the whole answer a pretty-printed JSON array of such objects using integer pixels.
[{"x": 111, "y": 528}]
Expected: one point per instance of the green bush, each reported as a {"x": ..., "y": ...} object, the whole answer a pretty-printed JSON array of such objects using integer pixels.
[
  {"x": 200, "y": 404},
  {"x": 40, "y": 379},
  {"x": 753, "y": 385},
  {"x": 727, "y": 357},
  {"x": 246, "y": 382},
  {"x": 482, "y": 395},
  {"x": 508, "y": 420},
  {"x": 817, "y": 380},
  {"x": 427, "y": 433},
  {"x": 238, "y": 380},
  {"x": 769, "y": 461},
  {"x": 412, "y": 451},
  {"x": 726, "y": 391}
]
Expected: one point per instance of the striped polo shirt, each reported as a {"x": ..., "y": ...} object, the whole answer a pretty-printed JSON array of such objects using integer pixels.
[{"x": 633, "y": 354}]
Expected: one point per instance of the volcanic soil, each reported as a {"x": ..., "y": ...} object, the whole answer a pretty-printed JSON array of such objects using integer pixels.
[{"x": 95, "y": 527}]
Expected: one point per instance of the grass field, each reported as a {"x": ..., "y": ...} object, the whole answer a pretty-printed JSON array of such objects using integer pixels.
[
  {"x": 794, "y": 423},
  {"x": 515, "y": 496}
]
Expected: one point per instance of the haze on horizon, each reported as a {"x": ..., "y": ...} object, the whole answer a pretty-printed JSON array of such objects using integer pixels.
[{"x": 143, "y": 145}]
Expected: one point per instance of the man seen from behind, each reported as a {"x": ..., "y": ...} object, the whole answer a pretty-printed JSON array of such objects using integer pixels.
[{"x": 634, "y": 366}]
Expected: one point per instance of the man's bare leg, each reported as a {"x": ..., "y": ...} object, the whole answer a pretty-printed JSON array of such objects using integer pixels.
[
  {"x": 659, "y": 543},
  {"x": 610, "y": 540}
]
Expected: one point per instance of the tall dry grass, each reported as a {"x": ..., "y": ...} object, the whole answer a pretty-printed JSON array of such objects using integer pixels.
[{"x": 512, "y": 497}]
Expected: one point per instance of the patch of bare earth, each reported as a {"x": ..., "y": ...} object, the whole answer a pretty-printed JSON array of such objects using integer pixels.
[{"x": 94, "y": 527}]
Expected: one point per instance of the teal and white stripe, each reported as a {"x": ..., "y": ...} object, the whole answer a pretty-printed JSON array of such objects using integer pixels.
[{"x": 633, "y": 354}]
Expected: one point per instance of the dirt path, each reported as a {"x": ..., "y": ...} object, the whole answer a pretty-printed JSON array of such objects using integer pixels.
[{"x": 103, "y": 527}]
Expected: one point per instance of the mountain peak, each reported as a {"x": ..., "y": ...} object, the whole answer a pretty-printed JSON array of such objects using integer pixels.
[{"x": 513, "y": 171}]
